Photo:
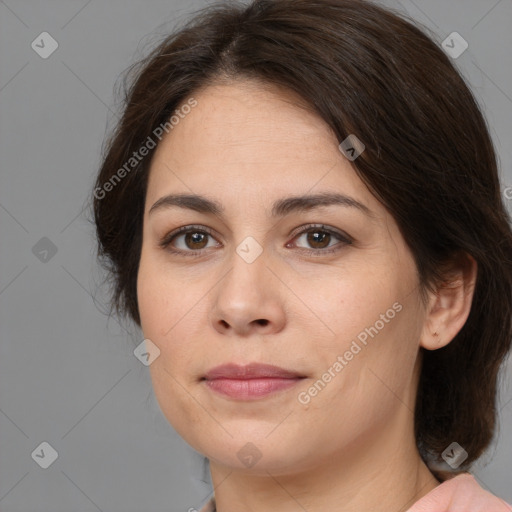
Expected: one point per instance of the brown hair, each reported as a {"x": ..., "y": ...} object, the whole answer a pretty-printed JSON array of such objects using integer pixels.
[{"x": 429, "y": 159}]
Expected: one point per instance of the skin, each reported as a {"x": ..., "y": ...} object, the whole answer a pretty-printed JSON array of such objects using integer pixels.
[{"x": 352, "y": 446}]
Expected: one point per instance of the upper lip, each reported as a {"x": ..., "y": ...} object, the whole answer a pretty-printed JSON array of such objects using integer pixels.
[{"x": 250, "y": 371}]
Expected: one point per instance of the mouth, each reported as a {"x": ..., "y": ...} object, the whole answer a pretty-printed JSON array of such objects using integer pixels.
[{"x": 251, "y": 381}]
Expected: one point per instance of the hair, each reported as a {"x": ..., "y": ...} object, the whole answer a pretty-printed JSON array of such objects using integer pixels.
[{"x": 429, "y": 160}]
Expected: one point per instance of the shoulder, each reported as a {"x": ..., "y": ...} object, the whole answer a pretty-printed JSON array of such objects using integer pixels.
[{"x": 460, "y": 494}]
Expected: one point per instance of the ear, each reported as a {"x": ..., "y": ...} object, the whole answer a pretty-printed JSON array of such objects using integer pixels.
[{"x": 449, "y": 305}]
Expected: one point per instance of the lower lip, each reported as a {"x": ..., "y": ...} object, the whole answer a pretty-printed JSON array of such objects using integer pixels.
[{"x": 250, "y": 389}]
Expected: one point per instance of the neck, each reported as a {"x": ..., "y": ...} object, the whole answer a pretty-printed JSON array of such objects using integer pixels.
[{"x": 382, "y": 471}]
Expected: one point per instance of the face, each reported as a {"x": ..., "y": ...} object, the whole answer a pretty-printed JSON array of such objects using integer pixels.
[{"x": 324, "y": 289}]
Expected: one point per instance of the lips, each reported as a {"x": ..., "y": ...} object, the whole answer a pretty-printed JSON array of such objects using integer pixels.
[
  {"x": 250, "y": 371},
  {"x": 250, "y": 382}
]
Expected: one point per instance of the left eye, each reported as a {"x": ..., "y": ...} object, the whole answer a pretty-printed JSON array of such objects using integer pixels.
[{"x": 321, "y": 238}]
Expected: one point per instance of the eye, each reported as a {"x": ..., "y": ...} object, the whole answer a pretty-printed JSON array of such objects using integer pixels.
[
  {"x": 319, "y": 238},
  {"x": 194, "y": 240},
  {"x": 187, "y": 240}
]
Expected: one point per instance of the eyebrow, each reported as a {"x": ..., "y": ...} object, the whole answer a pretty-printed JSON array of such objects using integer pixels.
[{"x": 280, "y": 208}]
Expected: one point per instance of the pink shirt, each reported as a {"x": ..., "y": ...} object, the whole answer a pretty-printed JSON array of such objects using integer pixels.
[{"x": 459, "y": 494}]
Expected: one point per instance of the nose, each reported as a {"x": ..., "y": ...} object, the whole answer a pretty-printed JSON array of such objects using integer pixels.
[{"x": 248, "y": 300}]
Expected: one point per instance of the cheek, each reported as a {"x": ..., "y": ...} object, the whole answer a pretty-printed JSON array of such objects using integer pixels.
[
  {"x": 156, "y": 295},
  {"x": 167, "y": 314},
  {"x": 341, "y": 305},
  {"x": 372, "y": 382},
  {"x": 373, "y": 316},
  {"x": 160, "y": 310}
]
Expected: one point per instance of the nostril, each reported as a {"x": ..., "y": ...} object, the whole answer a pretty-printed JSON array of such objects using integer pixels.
[{"x": 262, "y": 321}]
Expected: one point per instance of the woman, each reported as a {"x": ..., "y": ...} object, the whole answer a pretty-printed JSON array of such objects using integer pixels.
[{"x": 300, "y": 208}]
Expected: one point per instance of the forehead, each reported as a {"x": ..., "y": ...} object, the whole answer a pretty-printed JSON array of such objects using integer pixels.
[{"x": 246, "y": 138}]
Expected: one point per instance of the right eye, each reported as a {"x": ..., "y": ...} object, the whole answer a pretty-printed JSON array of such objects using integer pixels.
[{"x": 192, "y": 240}]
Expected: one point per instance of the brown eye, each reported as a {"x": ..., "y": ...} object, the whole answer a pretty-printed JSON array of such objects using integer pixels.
[
  {"x": 318, "y": 239},
  {"x": 196, "y": 240},
  {"x": 187, "y": 240}
]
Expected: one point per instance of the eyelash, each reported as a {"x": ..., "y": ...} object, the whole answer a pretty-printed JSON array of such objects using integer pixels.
[{"x": 165, "y": 242}]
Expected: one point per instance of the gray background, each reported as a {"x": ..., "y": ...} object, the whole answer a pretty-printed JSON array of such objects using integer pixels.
[{"x": 68, "y": 375}]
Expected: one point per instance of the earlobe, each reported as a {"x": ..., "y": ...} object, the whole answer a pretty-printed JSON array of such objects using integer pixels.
[{"x": 450, "y": 304}]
